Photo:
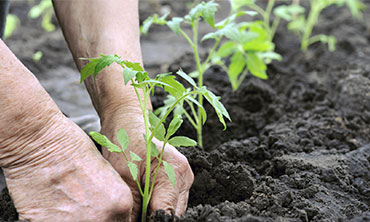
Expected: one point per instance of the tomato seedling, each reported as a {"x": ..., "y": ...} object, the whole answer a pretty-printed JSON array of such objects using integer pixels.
[
  {"x": 248, "y": 45},
  {"x": 154, "y": 126}
]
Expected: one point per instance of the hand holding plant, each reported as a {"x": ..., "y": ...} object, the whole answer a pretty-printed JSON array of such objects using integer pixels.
[{"x": 145, "y": 172}]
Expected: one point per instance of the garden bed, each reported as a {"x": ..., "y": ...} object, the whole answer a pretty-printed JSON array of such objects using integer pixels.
[{"x": 298, "y": 146}]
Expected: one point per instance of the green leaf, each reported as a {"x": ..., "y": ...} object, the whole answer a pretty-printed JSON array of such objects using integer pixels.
[
  {"x": 133, "y": 170},
  {"x": 356, "y": 6},
  {"x": 123, "y": 139},
  {"x": 37, "y": 56},
  {"x": 12, "y": 21},
  {"x": 179, "y": 141},
  {"x": 205, "y": 10},
  {"x": 232, "y": 32},
  {"x": 236, "y": 67},
  {"x": 154, "y": 121},
  {"x": 260, "y": 43},
  {"x": 154, "y": 151},
  {"x": 133, "y": 65},
  {"x": 106, "y": 60},
  {"x": 209, "y": 11},
  {"x": 173, "y": 87},
  {"x": 46, "y": 21},
  {"x": 269, "y": 56},
  {"x": 88, "y": 69},
  {"x": 128, "y": 74},
  {"x": 256, "y": 65},
  {"x": 297, "y": 25},
  {"x": 170, "y": 172},
  {"x": 211, "y": 35},
  {"x": 237, "y": 4},
  {"x": 226, "y": 49},
  {"x": 288, "y": 12},
  {"x": 202, "y": 110},
  {"x": 134, "y": 157},
  {"x": 217, "y": 105},
  {"x": 174, "y": 24},
  {"x": 187, "y": 78},
  {"x": 146, "y": 25},
  {"x": 174, "y": 126},
  {"x": 105, "y": 142}
]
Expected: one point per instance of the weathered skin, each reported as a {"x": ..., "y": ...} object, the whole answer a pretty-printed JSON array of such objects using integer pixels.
[
  {"x": 112, "y": 27},
  {"x": 52, "y": 168}
]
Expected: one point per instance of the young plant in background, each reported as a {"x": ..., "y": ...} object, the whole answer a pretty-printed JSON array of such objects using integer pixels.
[
  {"x": 297, "y": 20},
  {"x": 154, "y": 126},
  {"x": 303, "y": 26},
  {"x": 44, "y": 9},
  {"x": 248, "y": 45}
]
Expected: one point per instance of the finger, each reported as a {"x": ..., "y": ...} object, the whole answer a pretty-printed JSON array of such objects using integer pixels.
[
  {"x": 136, "y": 208},
  {"x": 165, "y": 195},
  {"x": 182, "y": 203}
]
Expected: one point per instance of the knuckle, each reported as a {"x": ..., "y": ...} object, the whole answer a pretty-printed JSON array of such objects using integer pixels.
[{"x": 120, "y": 203}]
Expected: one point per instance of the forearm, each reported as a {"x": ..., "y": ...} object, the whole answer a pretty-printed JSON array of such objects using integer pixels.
[
  {"x": 27, "y": 111},
  {"x": 103, "y": 27}
]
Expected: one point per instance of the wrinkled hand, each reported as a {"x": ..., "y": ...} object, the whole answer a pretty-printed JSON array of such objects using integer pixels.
[{"x": 165, "y": 195}]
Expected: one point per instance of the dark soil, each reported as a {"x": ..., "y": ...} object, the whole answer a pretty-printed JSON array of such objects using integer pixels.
[{"x": 298, "y": 146}]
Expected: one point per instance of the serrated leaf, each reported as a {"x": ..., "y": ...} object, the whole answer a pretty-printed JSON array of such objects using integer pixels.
[
  {"x": 134, "y": 156},
  {"x": 181, "y": 141},
  {"x": 105, "y": 142},
  {"x": 175, "y": 88},
  {"x": 170, "y": 172},
  {"x": 208, "y": 13},
  {"x": 174, "y": 126},
  {"x": 128, "y": 74},
  {"x": 174, "y": 24},
  {"x": 217, "y": 105},
  {"x": 154, "y": 121},
  {"x": 133, "y": 65},
  {"x": 123, "y": 139},
  {"x": 256, "y": 65},
  {"x": 154, "y": 151},
  {"x": 133, "y": 170},
  {"x": 205, "y": 10},
  {"x": 187, "y": 78},
  {"x": 88, "y": 69},
  {"x": 106, "y": 60}
]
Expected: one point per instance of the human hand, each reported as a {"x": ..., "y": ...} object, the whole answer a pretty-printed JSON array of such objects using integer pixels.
[
  {"x": 165, "y": 196},
  {"x": 58, "y": 174}
]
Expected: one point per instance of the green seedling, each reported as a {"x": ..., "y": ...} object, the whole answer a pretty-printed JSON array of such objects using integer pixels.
[
  {"x": 248, "y": 44},
  {"x": 303, "y": 26},
  {"x": 45, "y": 10},
  {"x": 154, "y": 126},
  {"x": 294, "y": 14}
]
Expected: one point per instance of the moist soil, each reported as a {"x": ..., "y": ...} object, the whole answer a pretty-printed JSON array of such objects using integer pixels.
[{"x": 298, "y": 146}]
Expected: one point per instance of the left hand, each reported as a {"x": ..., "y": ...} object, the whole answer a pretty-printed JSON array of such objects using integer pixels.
[{"x": 165, "y": 196}]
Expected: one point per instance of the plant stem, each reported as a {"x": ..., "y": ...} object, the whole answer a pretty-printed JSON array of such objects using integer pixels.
[
  {"x": 146, "y": 196},
  {"x": 200, "y": 79},
  {"x": 157, "y": 168},
  {"x": 311, "y": 21},
  {"x": 266, "y": 17}
]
